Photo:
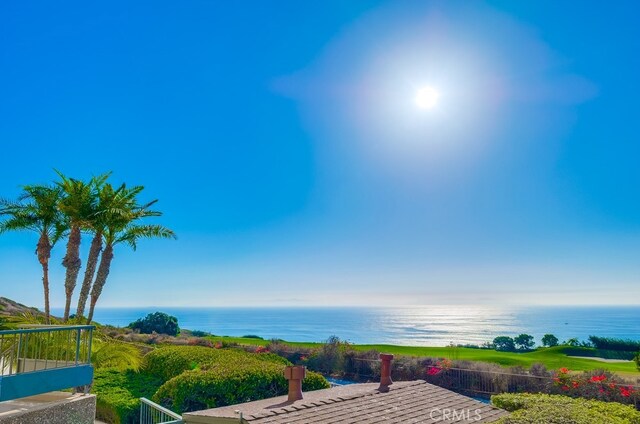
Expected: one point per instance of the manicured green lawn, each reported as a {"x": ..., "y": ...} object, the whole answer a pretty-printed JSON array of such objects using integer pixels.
[{"x": 552, "y": 358}]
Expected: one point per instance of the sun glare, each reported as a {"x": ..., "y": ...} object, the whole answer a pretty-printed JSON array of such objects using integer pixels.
[{"x": 427, "y": 98}]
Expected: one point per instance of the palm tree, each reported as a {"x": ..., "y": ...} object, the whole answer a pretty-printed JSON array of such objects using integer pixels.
[
  {"x": 110, "y": 202},
  {"x": 120, "y": 228},
  {"x": 78, "y": 204},
  {"x": 37, "y": 211}
]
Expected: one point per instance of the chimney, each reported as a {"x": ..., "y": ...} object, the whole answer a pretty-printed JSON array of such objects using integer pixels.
[
  {"x": 295, "y": 375},
  {"x": 385, "y": 372}
]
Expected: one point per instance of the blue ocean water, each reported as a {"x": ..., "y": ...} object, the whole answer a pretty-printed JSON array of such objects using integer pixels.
[{"x": 412, "y": 325}]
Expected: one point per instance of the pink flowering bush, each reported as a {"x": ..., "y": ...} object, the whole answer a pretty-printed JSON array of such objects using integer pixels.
[
  {"x": 442, "y": 364},
  {"x": 600, "y": 385}
]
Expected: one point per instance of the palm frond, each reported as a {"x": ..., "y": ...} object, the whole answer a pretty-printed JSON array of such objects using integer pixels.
[
  {"x": 99, "y": 180},
  {"x": 133, "y": 233},
  {"x": 115, "y": 354},
  {"x": 36, "y": 210},
  {"x": 18, "y": 222}
]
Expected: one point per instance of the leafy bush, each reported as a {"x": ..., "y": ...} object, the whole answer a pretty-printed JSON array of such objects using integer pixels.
[
  {"x": 549, "y": 340},
  {"x": 199, "y": 377},
  {"x": 297, "y": 355},
  {"x": 330, "y": 357},
  {"x": 599, "y": 353},
  {"x": 607, "y": 343},
  {"x": 226, "y": 383},
  {"x": 119, "y": 392},
  {"x": 171, "y": 361},
  {"x": 157, "y": 322},
  {"x": 596, "y": 384},
  {"x": 504, "y": 344},
  {"x": 197, "y": 341},
  {"x": 252, "y": 336},
  {"x": 540, "y": 408}
]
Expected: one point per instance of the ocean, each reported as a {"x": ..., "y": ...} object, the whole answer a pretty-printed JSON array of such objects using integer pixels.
[{"x": 410, "y": 326}]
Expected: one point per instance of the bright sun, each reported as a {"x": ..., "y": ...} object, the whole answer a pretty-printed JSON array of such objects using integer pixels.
[{"x": 427, "y": 98}]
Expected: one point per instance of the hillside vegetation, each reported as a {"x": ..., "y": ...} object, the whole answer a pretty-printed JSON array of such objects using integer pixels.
[
  {"x": 552, "y": 357},
  {"x": 188, "y": 378}
]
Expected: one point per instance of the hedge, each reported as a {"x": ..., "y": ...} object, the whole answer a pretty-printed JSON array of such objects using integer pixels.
[
  {"x": 169, "y": 362},
  {"x": 608, "y": 343},
  {"x": 599, "y": 353},
  {"x": 541, "y": 408},
  {"x": 221, "y": 386},
  {"x": 119, "y": 392},
  {"x": 187, "y": 378}
]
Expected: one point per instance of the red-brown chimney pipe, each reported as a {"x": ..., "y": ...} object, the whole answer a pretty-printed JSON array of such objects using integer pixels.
[
  {"x": 385, "y": 372},
  {"x": 295, "y": 375}
]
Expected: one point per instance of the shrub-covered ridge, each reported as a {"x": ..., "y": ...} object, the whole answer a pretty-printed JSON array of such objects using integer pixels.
[{"x": 171, "y": 361}]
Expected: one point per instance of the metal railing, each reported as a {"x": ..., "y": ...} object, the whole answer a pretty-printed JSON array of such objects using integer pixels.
[
  {"x": 39, "y": 359},
  {"x": 152, "y": 413},
  {"x": 489, "y": 382},
  {"x": 485, "y": 383}
]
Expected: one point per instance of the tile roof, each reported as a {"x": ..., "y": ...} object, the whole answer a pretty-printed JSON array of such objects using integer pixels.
[{"x": 405, "y": 402}]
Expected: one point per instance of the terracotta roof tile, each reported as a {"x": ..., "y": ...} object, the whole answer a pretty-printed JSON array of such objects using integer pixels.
[{"x": 405, "y": 402}]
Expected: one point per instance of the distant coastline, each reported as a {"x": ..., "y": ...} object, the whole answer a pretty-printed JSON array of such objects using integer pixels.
[{"x": 409, "y": 326}]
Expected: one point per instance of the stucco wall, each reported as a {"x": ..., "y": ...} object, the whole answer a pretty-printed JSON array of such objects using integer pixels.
[{"x": 50, "y": 408}]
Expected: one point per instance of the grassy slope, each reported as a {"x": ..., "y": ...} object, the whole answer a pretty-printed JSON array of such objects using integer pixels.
[{"x": 551, "y": 357}]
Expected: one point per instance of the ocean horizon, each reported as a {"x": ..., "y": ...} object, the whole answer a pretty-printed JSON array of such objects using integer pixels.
[{"x": 410, "y": 326}]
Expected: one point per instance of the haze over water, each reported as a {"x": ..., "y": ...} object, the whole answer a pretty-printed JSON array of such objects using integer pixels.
[{"x": 413, "y": 325}]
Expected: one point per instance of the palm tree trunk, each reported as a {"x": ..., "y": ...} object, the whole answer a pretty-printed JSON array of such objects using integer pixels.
[
  {"x": 44, "y": 253},
  {"x": 90, "y": 270},
  {"x": 101, "y": 279},
  {"x": 45, "y": 284},
  {"x": 72, "y": 262}
]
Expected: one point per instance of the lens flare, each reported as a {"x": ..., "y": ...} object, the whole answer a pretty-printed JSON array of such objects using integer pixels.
[{"x": 427, "y": 98}]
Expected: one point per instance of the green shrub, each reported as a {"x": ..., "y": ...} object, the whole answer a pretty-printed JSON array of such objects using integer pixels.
[
  {"x": 199, "y": 377},
  {"x": 229, "y": 383},
  {"x": 330, "y": 358},
  {"x": 171, "y": 361},
  {"x": 119, "y": 392},
  {"x": 595, "y": 384},
  {"x": 599, "y": 353},
  {"x": 608, "y": 343},
  {"x": 157, "y": 322},
  {"x": 540, "y": 409}
]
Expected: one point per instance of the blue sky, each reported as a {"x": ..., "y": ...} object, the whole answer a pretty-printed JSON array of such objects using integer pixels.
[{"x": 285, "y": 146}]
